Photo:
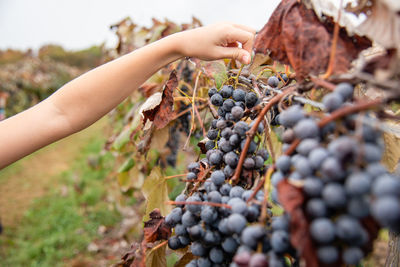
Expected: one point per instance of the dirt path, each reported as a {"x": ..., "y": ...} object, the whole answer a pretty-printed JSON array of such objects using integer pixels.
[{"x": 33, "y": 176}]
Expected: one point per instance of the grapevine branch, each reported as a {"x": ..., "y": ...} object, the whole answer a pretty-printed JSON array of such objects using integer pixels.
[
  {"x": 357, "y": 107},
  {"x": 253, "y": 130},
  {"x": 200, "y": 203}
]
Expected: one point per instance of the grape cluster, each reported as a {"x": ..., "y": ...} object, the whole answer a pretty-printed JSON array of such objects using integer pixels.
[
  {"x": 218, "y": 235},
  {"x": 339, "y": 169},
  {"x": 215, "y": 233}
]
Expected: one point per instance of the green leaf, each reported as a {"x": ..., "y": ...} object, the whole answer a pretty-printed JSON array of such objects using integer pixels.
[
  {"x": 155, "y": 190},
  {"x": 217, "y": 71},
  {"x": 157, "y": 257},
  {"x": 126, "y": 166},
  {"x": 122, "y": 139}
]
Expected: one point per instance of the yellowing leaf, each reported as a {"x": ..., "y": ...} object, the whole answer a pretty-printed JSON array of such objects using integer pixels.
[
  {"x": 159, "y": 139},
  {"x": 276, "y": 149},
  {"x": 216, "y": 70},
  {"x": 155, "y": 190},
  {"x": 184, "y": 260},
  {"x": 156, "y": 257},
  {"x": 391, "y": 155}
]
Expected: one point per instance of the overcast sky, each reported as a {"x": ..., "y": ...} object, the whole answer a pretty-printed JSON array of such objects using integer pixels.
[{"x": 77, "y": 24}]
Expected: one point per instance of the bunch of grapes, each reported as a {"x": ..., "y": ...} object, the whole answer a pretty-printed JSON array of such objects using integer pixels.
[
  {"x": 338, "y": 167},
  {"x": 221, "y": 235}
]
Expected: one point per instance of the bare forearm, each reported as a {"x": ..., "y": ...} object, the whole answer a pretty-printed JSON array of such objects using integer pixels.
[{"x": 89, "y": 97}]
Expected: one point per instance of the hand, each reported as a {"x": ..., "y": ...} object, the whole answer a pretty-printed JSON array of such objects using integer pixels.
[{"x": 217, "y": 41}]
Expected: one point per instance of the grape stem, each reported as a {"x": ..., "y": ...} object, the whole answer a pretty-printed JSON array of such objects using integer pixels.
[
  {"x": 250, "y": 134},
  {"x": 339, "y": 113},
  {"x": 323, "y": 83},
  {"x": 201, "y": 203},
  {"x": 174, "y": 176}
]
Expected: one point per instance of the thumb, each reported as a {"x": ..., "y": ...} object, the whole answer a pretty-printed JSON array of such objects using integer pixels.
[{"x": 235, "y": 53}]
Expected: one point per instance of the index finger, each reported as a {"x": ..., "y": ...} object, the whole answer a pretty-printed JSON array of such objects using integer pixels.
[{"x": 246, "y": 38}]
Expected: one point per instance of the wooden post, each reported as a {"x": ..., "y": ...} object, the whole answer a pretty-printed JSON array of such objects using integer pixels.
[{"x": 393, "y": 258}]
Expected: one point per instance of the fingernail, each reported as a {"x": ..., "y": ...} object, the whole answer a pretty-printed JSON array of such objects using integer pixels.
[{"x": 245, "y": 59}]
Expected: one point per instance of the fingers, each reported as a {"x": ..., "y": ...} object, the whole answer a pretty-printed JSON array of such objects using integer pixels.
[
  {"x": 234, "y": 52},
  {"x": 245, "y": 37},
  {"x": 245, "y": 28}
]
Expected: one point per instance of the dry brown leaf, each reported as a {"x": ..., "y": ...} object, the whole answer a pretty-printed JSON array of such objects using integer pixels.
[
  {"x": 292, "y": 198},
  {"x": 185, "y": 259},
  {"x": 156, "y": 229},
  {"x": 159, "y": 111},
  {"x": 391, "y": 155},
  {"x": 294, "y": 35},
  {"x": 382, "y": 25}
]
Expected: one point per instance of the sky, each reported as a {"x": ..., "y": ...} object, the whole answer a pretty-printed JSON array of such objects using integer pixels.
[{"x": 78, "y": 24}]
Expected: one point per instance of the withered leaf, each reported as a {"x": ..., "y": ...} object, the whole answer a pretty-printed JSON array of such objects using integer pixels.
[
  {"x": 156, "y": 228},
  {"x": 292, "y": 198},
  {"x": 160, "y": 115},
  {"x": 294, "y": 35},
  {"x": 184, "y": 260}
]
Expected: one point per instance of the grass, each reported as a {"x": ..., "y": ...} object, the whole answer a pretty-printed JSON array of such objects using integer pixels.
[{"x": 60, "y": 225}]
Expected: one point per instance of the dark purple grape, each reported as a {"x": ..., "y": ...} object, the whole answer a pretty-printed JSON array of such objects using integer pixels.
[
  {"x": 358, "y": 183},
  {"x": 322, "y": 230},
  {"x": 174, "y": 243},
  {"x": 306, "y": 146},
  {"x": 313, "y": 186},
  {"x": 273, "y": 81},
  {"x": 249, "y": 163},
  {"x": 332, "y": 101},
  {"x": 224, "y": 145},
  {"x": 229, "y": 245},
  {"x": 303, "y": 166},
  {"x": 234, "y": 140},
  {"x": 216, "y": 255},
  {"x": 236, "y": 191},
  {"x": 218, "y": 177},
  {"x": 343, "y": 147},
  {"x": 306, "y": 128},
  {"x": 316, "y": 208},
  {"x": 191, "y": 176},
  {"x": 332, "y": 169},
  {"x": 212, "y": 134},
  {"x": 228, "y": 171},
  {"x": 251, "y": 99},
  {"x": 221, "y": 124},
  {"x": 280, "y": 241},
  {"x": 276, "y": 178},
  {"x": 352, "y": 255},
  {"x": 239, "y": 95},
  {"x": 208, "y": 214},
  {"x": 386, "y": 210},
  {"x": 358, "y": 207},
  {"x": 238, "y": 206},
  {"x": 334, "y": 195},
  {"x": 226, "y": 91},
  {"x": 198, "y": 249},
  {"x": 259, "y": 162},
  {"x": 317, "y": 156},
  {"x": 288, "y": 136},
  {"x": 228, "y": 104},
  {"x": 328, "y": 254},
  {"x": 211, "y": 238},
  {"x": 236, "y": 223},
  {"x": 237, "y": 113},
  {"x": 263, "y": 153},
  {"x": 371, "y": 152},
  {"x": 348, "y": 229},
  {"x": 214, "y": 196},
  {"x": 174, "y": 217},
  {"x": 345, "y": 90},
  {"x": 291, "y": 116},
  {"x": 226, "y": 133},
  {"x": 251, "y": 235},
  {"x": 221, "y": 113},
  {"x": 212, "y": 91},
  {"x": 215, "y": 157},
  {"x": 386, "y": 185},
  {"x": 184, "y": 240},
  {"x": 231, "y": 158},
  {"x": 180, "y": 229},
  {"x": 217, "y": 100},
  {"x": 280, "y": 223},
  {"x": 252, "y": 146},
  {"x": 196, "y": 232},
  {"x": 241, "y": 128},
  {"x": 225, "y": 189},
  {"x": 283, "y": 163}
]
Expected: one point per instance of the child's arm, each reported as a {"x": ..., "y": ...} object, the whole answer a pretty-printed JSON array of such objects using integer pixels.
[{"x": 87, "y": 98}]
